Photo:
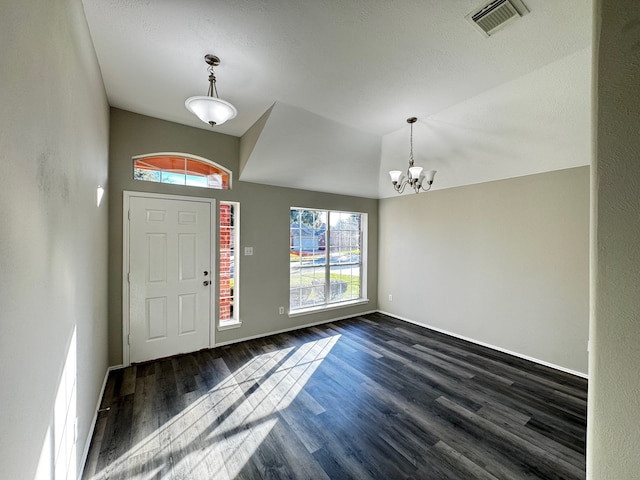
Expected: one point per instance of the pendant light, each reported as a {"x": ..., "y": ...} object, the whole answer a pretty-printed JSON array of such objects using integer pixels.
[{"x": 211, "y": 109}]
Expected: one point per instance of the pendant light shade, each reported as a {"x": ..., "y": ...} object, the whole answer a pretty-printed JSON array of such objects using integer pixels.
[
  {"x": 211, "y": 109},
  {"x": 396, "y": 176},
  {"x": 415, "y": 172}
]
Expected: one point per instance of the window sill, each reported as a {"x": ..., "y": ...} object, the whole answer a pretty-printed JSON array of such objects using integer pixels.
[
  {"x": 324, "y": 308},
  {"x": 229, "y": 325}
]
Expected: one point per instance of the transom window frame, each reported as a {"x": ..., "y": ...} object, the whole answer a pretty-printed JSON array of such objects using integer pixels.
[
  {"x": 328, "y": 304},
  {"x": 185, "y": 156}
]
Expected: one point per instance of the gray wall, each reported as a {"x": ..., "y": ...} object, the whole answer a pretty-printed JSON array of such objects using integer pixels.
[
  {"x": 53, "y": 236},
  {"x": 614, "y": 387},
  {"x": 505, "y": 263},
  {"x": 264, "y": 224}
]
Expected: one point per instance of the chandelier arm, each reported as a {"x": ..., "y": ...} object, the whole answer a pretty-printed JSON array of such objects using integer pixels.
[
  {"x": 400, "y": 188},
  {"x": 428, "y": 188}
]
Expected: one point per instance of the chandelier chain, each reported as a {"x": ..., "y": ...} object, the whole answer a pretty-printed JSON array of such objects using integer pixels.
[{"x": 411, "y": 146}]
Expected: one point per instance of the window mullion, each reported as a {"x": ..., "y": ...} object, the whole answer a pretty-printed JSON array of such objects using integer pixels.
[{"x": 327, "y": 261}]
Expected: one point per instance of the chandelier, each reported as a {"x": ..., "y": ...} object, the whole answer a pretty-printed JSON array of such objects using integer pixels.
[
  {"x": 211, "y": 109},
  {"x": 416, "y": 179}
]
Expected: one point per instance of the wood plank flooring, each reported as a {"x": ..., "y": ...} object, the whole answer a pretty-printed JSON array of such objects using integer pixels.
[{"x": 370, "y": 397}]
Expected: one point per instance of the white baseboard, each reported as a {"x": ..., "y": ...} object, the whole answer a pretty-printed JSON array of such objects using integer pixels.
[
  {"x": 297, "y": 327},
  {"x": 87, "y": 446},
  {"x": 493, "y": 347}
]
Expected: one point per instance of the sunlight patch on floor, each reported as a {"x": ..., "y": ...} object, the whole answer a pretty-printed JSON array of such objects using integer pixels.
[{"x": 228, "y": 424}]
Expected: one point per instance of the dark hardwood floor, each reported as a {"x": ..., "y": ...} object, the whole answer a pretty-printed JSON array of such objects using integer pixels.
[{"x": 366, "y": 398}]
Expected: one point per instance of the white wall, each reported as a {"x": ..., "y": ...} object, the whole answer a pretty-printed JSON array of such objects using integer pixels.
[
  {"x": 53, "y": 237},
  {"x": 504, "y": 263},
  {"x": 614, "y": 387}
]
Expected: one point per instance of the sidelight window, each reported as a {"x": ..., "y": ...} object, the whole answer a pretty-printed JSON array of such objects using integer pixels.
[{"x": 228, "y": 280}]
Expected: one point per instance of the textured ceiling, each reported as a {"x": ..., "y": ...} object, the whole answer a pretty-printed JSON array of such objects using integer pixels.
[{"x": 334, "y": 82}]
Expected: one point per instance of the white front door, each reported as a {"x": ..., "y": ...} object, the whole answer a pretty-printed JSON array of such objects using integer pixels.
[{"x": 169, "y": 276}]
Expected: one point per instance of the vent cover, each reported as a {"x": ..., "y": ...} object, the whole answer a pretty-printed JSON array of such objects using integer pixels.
[{"x": 494, "y": 15}]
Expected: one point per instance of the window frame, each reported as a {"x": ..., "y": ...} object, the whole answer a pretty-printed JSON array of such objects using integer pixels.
[
  {"x": 234, "y": 229},
  {"x": 327, "y": 304},
  {"x": 186, "y": 157}
]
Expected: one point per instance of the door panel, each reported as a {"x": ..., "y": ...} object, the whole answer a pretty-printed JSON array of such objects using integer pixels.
[
  {"x": 187, "y": 315},
  {"x": 157, "y": 264},
  {"x": 156, "y": 318},
  {"x": 169, "y": 251},
  {"x": 188, "y": 256}
]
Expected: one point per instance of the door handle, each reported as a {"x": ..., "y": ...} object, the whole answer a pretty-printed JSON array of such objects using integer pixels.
[
  {"x": 205, "y": 283},
  {"x": 206, "y": 273}
]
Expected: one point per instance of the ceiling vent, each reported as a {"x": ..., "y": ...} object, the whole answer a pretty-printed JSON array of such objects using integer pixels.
[{"x": 495, "y": 15}]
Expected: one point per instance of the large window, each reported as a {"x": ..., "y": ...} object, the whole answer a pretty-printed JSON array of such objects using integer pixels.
[
  {"x": 326, "y": 252},
  {"x": 179, "y": 169},
  {"x": 228, "y": 241}
]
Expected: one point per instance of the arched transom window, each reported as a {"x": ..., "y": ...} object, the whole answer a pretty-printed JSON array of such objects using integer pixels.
[{"x": 181, "y": 169}]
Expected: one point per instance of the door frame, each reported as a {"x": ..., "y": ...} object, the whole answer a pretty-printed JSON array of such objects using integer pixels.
[{"x": 127, "y": 195}]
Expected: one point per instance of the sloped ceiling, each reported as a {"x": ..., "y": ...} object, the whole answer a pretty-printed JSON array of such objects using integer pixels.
[
  {"x": 295, "y": 147},
  {"x": 323, "y": 88}
]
